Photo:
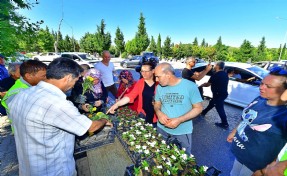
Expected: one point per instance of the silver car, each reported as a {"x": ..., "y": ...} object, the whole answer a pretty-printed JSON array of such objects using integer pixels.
[{"x": 240, "y": 93}]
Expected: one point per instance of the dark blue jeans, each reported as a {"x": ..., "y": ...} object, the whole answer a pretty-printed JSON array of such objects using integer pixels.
[{"x": 218, "y": 103}]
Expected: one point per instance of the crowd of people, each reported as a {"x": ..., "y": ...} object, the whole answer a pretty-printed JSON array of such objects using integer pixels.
[{"x": 47, "y": 107}]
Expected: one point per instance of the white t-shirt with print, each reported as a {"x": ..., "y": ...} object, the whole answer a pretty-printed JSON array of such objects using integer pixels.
[{"x": 107, "y": 73}]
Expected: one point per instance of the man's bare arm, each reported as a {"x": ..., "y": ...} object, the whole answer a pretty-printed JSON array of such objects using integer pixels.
[{"x": 163, "y": 118}]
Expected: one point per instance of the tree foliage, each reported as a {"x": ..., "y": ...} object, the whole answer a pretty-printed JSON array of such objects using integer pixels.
[
  {"x": 119, "y": 41},
  {"x": 102, "y": 40},
  {"x": 166, "y": 49},
  {"x": 158, "y": 46},
  {"x": 152, "y": 46},
  {"x": 141, "y": 39}
]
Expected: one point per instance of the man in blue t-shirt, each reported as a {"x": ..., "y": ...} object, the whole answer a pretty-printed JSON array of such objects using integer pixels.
[
  {"x": 218, "y": 83},
  {"x": 261, "y": 135},
  {"x": 177, "y": 101}
]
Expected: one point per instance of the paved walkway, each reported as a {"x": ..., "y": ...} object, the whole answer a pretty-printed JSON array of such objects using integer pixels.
[{"x": 8, "y": 156}]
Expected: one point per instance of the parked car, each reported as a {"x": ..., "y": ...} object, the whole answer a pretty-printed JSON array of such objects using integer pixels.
[
  {"x": 81, "y": 58},
  {"x": 198, "y": 60},
  {"x": 46, "y": 57},
  {"x": 16, "y": 57},
  {"x": 132, "y": 62},
  {"x": 268, "y": 65},
  {"x": 239, "y": 93}
]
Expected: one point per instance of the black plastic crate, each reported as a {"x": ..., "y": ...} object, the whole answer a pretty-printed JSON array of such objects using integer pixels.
[
  {"x": 100, "y": 138},
  {"x": 211, "y": 171}
]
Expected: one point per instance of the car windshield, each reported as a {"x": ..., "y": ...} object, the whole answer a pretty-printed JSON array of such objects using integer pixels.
[
  {"x": 259, "y": 71},
  {"x": 85, "y": 57},
  {"x": 148, "y": 54}
]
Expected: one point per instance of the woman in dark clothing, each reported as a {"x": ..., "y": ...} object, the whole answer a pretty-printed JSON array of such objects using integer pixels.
[{"x": 95, "y": 97}]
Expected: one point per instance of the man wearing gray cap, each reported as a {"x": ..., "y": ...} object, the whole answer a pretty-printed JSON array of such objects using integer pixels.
[{"x": 3, "y": 70}]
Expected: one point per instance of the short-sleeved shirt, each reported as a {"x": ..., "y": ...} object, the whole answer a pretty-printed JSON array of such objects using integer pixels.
[
  {"x": 261, "y": 134},
  {"x": 107, "y": 73},
  {"x": 219, "y": 84},
  {"x": 187, "y": 74},
  {"x": 176, "y": 101},
  {"x": 3, "y": 72},
  {"x": 45, "y": 124}
]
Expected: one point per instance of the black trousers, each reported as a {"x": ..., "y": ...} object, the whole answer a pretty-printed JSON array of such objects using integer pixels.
[
  {"x": 113, "y": 90},
  {"x": 218, "y": 103}
]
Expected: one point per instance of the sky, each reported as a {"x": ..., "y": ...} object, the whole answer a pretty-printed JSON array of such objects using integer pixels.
[{"x": 181, "y": 20}]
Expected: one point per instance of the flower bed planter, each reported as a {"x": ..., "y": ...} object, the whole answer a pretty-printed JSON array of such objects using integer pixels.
[{"x": 151, "y": 154}]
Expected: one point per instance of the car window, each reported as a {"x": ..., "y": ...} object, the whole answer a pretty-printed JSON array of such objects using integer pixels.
[
  {"x": 244, "y": 76},
  {"x": 67, "y": 55},
  {"x": 76, "y": 58},
  {"x": 259, "y": 71}
]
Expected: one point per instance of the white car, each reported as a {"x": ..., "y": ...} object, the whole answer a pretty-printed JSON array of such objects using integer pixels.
[
  {"x": 46, "y": 57},
  {"x": 239, "y": 93},
  {"x": 81, "y": 58}
]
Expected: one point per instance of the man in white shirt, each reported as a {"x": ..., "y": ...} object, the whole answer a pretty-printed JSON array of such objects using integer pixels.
[{"x": 107, "y": 70}]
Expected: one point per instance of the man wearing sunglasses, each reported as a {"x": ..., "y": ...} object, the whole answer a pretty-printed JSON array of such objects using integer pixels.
[{"x": 261, "y": 135}]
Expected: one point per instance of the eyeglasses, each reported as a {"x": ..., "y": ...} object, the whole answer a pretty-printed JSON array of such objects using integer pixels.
[
  {"x": 143, "y": 71},
  {"x": 278, "y": 71}
]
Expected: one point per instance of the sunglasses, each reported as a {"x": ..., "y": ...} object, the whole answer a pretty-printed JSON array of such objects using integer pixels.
[{"x": 278, "y": 71}]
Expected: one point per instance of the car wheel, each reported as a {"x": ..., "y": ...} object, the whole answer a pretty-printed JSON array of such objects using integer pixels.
[{"x": 125, "y": 65}]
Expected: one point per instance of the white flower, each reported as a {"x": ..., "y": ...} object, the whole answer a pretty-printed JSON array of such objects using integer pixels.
[
  {"x": 138, "y": 146},
  {"x": 159, "y": 135},
  {"x": 168, "y": 163},
  {"x": 173, "y": 157},
  {"x": 163, "y": 142},
  {"x": 144, "y": 147},
  {"x": 159, "y": 167},
  {"x": 153, "y": 137},
  {"x": 142, "y": 128},
  {"x": 157, "y": 150},
  {"x": 132, "y": 143},
  {"x": 168, "y": 147},
  {"x": 138, "y": 132},
  {"x": 184, "y": 156},
  {"x": 183, "y": 149},
  {"x": 163, "y": 158},
  {"x": 140, "y": 151},
  {"x": 191, "y": 156},
  {"x": 146, "y": 135},
  {"x": 205, "y": 168},
  {"x": 152, "y": 144},
  {"x": 120, "y": 124},
  {"x": 168, "y": 172},
  {"x": 146, "y": 168},
  {"x": 124, "y": 133},
  {"x": 132, "y": 128},
  {"x": 146, "y": 151}
]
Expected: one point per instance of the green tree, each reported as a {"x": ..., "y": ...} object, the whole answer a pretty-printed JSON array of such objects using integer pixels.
[
  {"x": 283, "y": 53},
  {"x": 102, "y": 40},
  {"x": 45, "y": 40},
  {"x": 141, "y": 38},
  {"x": 261, "y": 51},
  {"x": 158, "y": 45},
  {"x": 195, "y": 42},
  {"x": 119, "y": 42},
  {"x": 166, "y": 49},
  {"x": 13, "y": 25},
  {"x": 131, "y": 47},
  {"x": 203, "y": 43},
  {"x": 87, "y": 42},
  {"x": 152, "y": 46},
  {"x": 246, "y": 52},
  {"x": 221, "y": 50}
]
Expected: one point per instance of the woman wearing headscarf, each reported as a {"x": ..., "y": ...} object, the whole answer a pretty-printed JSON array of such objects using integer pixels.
[
  {"x": 95, "y": 97},
  {"x": 126, "y": 85}
]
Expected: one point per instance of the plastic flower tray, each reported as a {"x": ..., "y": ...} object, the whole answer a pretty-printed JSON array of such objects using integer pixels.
[
  {"x": 86, "y": 142},
  {"x": 211, "y": 171}
]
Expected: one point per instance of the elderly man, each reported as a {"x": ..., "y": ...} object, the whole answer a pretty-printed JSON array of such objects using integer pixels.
[
  {"x": 7, "y": 83},
  {"x": 107, "y": 70},
  {"x": 45, "y": 123},
  {"x": 218, "y": 83},
  {"x": 3, "y": 71},
  {"x": 177, "y": 101},
  {"x": 261, "y": 135}
]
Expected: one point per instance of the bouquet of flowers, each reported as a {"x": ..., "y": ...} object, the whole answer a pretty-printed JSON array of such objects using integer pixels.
[{"x": 87, "y": 84}]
